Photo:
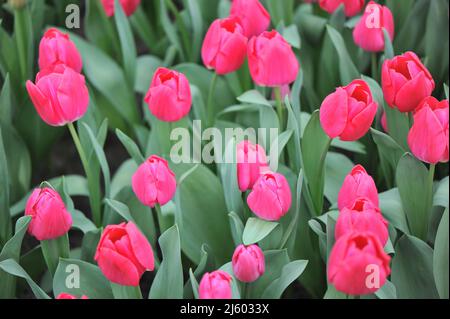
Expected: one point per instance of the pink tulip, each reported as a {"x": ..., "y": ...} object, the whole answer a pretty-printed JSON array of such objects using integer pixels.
[
  {"x": 60, "y": 95},
  {"x": 169, "y": 96},
  {"x": 270, "y": 198},
  {"x": 248, "y": 263},
  {"x": 124, "y": 254},
  {"x": 49, "y": 216},
  {"x": 368, "y": 32},
  {"x": 271, "y": 60},
  {"x": 349, "y": 112},
  {"x": 56, "y": 47},
  {"x": 428, "y": 138},
  {"x": 358, "y": 264},
  {"x": 64, "y": 295},
  {"x": 362, "y": 216},
  {"x": 251, "y": 163},
  {"x": 406, "y": 82},
  {"x": 351, "y": 7},
  {"x": 154, "y": 182},
  {"x": 225, "y": 46},
  {"x": 128, "y": 6},
  {"x": 215, "y": 285},
  {"x": 357, "y": 184},
  {"x": 254, "y": 17},
  {"x": 384, "y": 123}
]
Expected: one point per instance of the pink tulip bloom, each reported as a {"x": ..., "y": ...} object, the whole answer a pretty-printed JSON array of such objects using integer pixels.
[
  {"x": 248, "y": 263},
  {"x": 270, "y": 198},
  {"x": 215, "y": 285},
  {"x": 124, "y": 254},
  {"x": 128, "y": 6},
  {"x": 357, "y": 184},
  {"x": 251, "y": 163},
  {"x": 56, "y": 47},
  {"x": 271, "y": 60},
  {"x": 169, "y": 96},
  {"x": 254, "y": 17},
  {"x": 60, "y": 95},
  {"x": 405, "y": 82},
  {"x": 428, "y": 137},
  {"x": 49, "y": 216},
  {"x": 348, "y": 112}
]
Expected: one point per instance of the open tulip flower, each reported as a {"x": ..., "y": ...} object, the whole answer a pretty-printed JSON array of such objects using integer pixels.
[{"x": 224, "y": 149}]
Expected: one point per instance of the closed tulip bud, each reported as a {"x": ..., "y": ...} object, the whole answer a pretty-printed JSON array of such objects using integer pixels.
[
  {"x": 405, "y": 82},
  {"x": 56, "y": 47},
  {"x": 357, "y": 184},
  {"x": 215, "y": 285},
  {"x": 49, "y": 216},
  {"x": 368, "y": 33},
  {"x": 251, "y": 163},
  {"x": 60, "y": 95},
  {"x": 248, "y": 263},
  {"x": 428, "y": 137},
  {"x": 270, "y": 198},
  {"x": 254, "y": 17},
  {"x": 169, "y": 96},
  {"x": 363, "y": 216},
  {"x": 128, "y": 6},
  {"x": 154, "y": 182},
  {"x": 225, "y": 46},
  {"x": 64, "y": 295},
  {"x": 124, "y": 254},
  {"x": 351, "y": 7},
  {"x": 349, "y": 112},
  {"x": 358, "y": 264},
  {"x": 271, "y": 60}
]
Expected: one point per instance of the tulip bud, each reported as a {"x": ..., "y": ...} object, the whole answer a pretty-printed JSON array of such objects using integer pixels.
[
  {"x": 270, "y": 198},
  {"x": 349, "y": 112},
  {"x": 271, "y": 60},
  {"x": 124, "y": 254},
  {"x": 406, "y": 82},
  {"x": 169, "y": 96},
  {"x": 251, "y": 163},
  {"x": 351, "y": 7},
  {"x": 49, "y": 216},
  {"x": 357, "y": 184},
  {"x": 254, "y": 17},
  {"x": 225, "y": 46},
  {"x": 368, "y": 33},
  {"x": 362, "y": 216},
  {"x": 128, "y": 6},
  {"x": 60, "y": 95},
  {"x": 358, "y": 264},
  {"x": 56, "y": 47},
  {"x": 248, "y": 263},
  {"x": 154, "y": 182},
  {"x": 215, "y": 285},
  {"x": 428, "y": 137},
  {"x": 64, "y": 295}
]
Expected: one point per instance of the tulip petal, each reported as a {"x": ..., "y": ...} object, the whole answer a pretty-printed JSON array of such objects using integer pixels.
[
  {"x": 117, "y": 268},
  {"x": 333, "y": 113},
  {"x": 141, "y": 247}
]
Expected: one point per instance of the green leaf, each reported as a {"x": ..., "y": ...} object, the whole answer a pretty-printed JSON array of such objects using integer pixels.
[
  {"x": 315, "y": 144},
  {"x": 347, "y": 69},
  {"x": 256, "y": 230},
  {"x": 168, "y": 282},
  {"x": 131, "y": 147},
  {"x": 196, "y": 20},
  {"x": 388, "y": 49},
  {"x": 291, "y": 35},
  {"x": 440, "y": 257},
  {"x": 253, "y": 97},
  {"x": 126, "y": 43},
  {"x": 388, "y": 291},
  {"x": 392, "y": 209},
  {"x": 413, "y": 280},
  {"x": 5, "y": 219},
  {"x": 206, "y": 264},
  {"x": 169, "y": 28},
  {"x": 336, "y": 168},
  {"x": 237, "y": 228},
  {"x": 6, "y": 102},
  {"x": 146, "y": 65},
  {"x": 332, "y": 293},
  {"x": 441, "y": 194},
  {"x": 412, "y": 182},
  {"x": 289, "y": 274},
  {"x": 12, "y": 267},
  {"x": 92, "y": 283},
  {"x": 53, "y": 250}
]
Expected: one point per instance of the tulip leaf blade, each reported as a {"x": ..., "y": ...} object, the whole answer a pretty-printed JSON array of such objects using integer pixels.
[
  {"x": 256, "y": 230},
  {"x": 131, "y": 147},
  {"x": 289, "y": 274},
  {"x": 440, "y": 257}
]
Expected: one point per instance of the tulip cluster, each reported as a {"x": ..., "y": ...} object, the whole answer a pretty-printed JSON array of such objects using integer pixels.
[{"x": 358, "y": 264}]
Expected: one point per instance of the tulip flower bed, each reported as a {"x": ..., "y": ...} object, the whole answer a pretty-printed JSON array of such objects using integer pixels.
[{"x": 224, "y": 149}]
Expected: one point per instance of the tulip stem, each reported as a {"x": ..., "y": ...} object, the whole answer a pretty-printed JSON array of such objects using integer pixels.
[
  {"x": 430, "y": 185},
  {"x": 374, "y": 66},
  {"x": 280, "y": 111},
  {"x": 84, "y": 161},
  {"x": 209, "y": 106},
  {"x": 126, "y": 292}
]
